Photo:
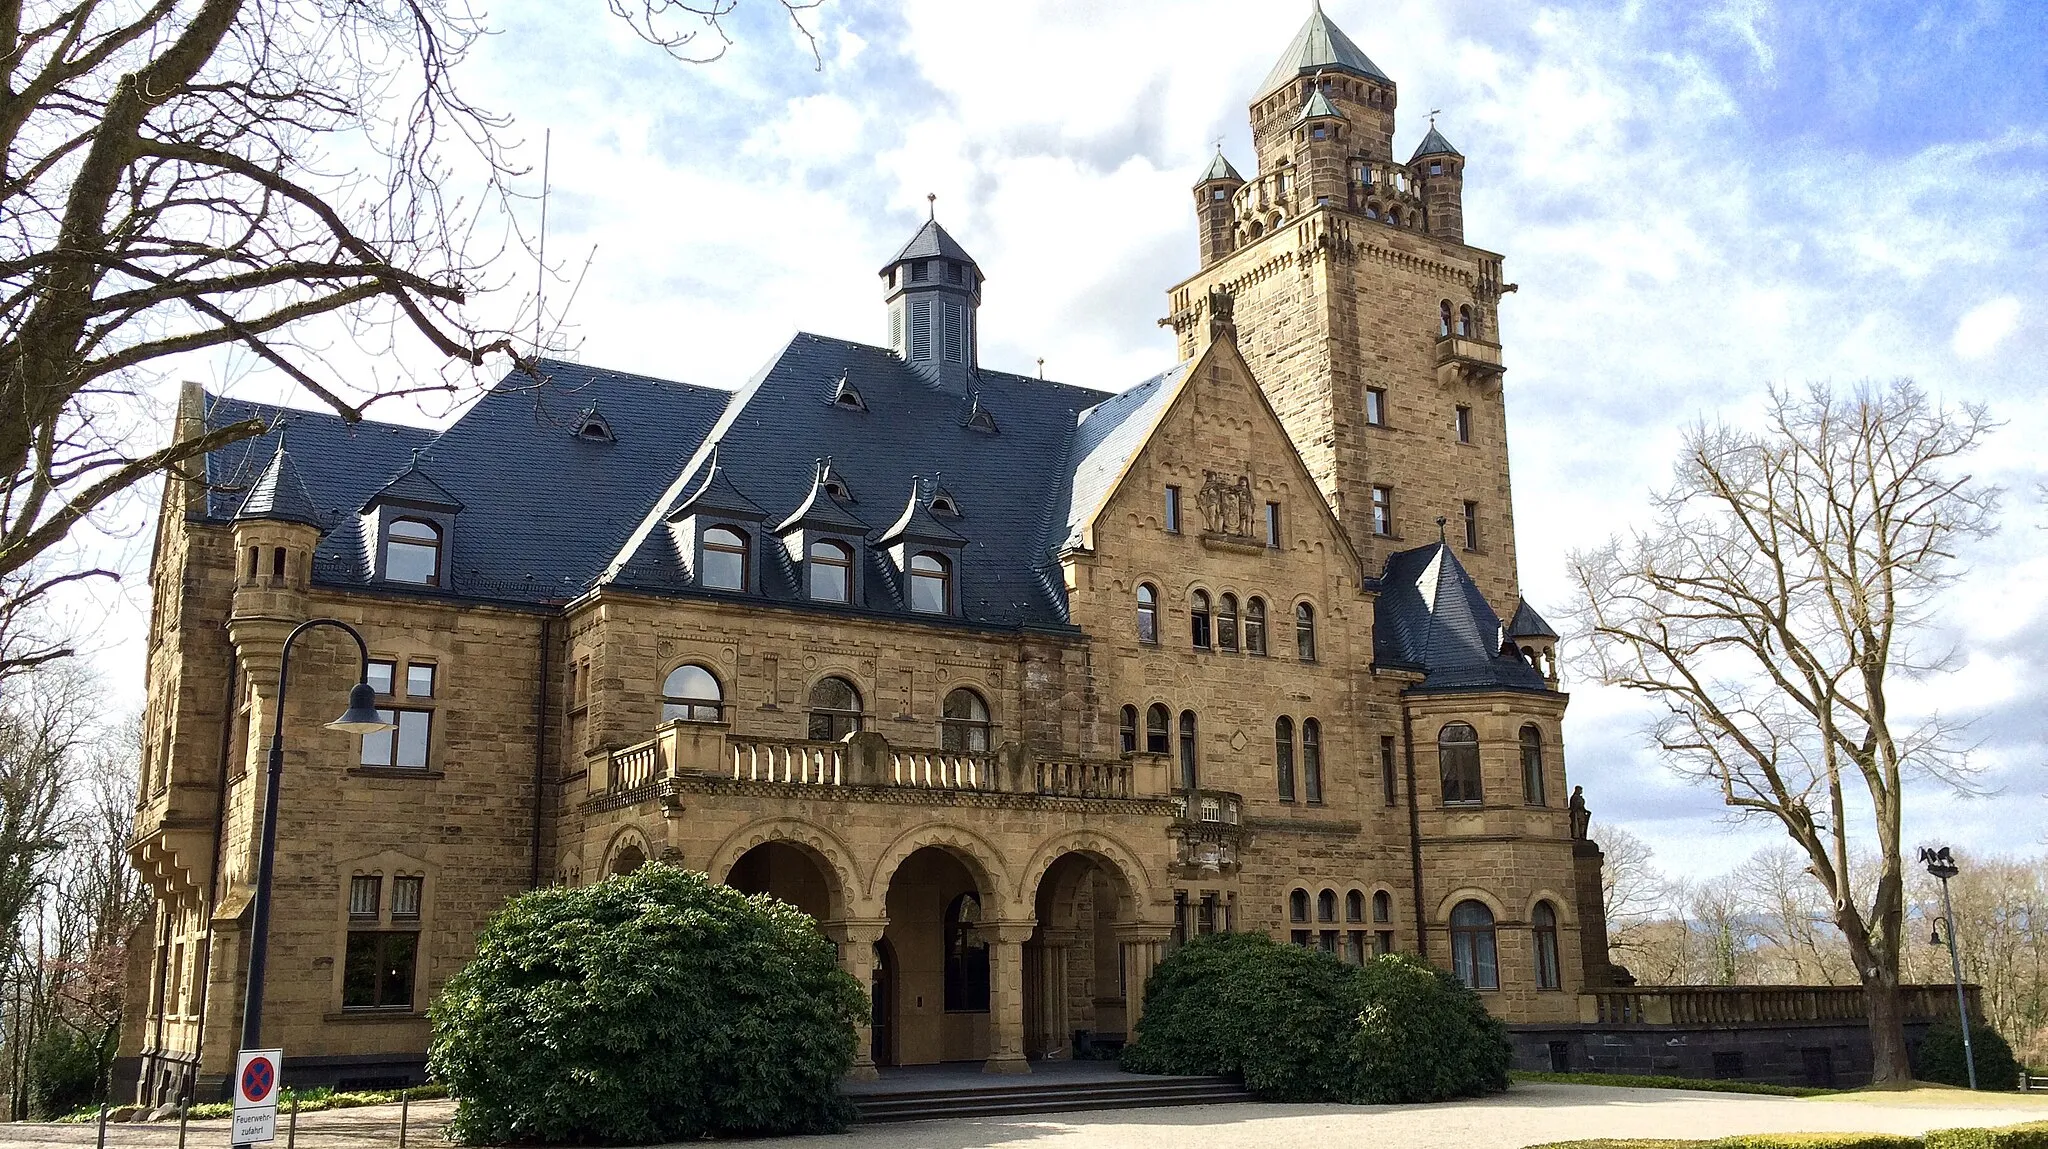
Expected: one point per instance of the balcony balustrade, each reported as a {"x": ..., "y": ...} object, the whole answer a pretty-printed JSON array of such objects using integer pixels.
[{"x": 1743, "y": 1005}]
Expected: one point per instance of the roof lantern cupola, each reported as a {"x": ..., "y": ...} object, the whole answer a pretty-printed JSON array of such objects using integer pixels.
[{"x": 933, "y": 291}]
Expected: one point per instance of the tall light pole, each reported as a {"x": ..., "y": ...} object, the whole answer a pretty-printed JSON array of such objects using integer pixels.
[
  {"x": 1942, "y": 865},
  {"x": 360, "y": 718}
]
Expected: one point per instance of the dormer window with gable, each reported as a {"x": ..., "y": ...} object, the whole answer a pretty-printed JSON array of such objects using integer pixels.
[
  {"x": 828, "y": 569},
  {"x": 931, "y": 583},
  {"x": 724, "y": 565},
  {"x": 926, "y": 552},
  {"x": 412, "y": 552},
  {"x": 824, "y": 541},
  {"x": 714, "y": 532},
  {"x": 408, "y": 529}
]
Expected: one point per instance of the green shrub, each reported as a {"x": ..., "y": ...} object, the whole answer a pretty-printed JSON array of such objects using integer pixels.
[
  {"x": 1298, "y": 1025},
  {"x": 2033, "y": 1135},
  {"x": 657, "y": 1006},
  {"x": 1940, "y": 1057},
  {"x": 1423, "y": 1036},
  {"x": 63, "y": 1072},
  {"x": 1817, "y": 1141}
]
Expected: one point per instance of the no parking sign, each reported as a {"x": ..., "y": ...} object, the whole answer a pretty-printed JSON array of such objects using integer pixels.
[{"x": 258, "y": 1076}]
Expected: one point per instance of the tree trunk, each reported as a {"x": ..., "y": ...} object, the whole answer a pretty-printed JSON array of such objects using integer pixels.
[{"x": 1882, "y": 1002}]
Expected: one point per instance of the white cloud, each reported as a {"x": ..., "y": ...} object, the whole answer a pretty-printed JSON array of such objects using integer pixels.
[{"x": 1981, "y": 329}]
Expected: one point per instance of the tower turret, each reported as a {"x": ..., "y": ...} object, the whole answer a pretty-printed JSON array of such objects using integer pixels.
[
  {"x": 933, "y": 289},
  {"x": 1215, "y": 209},
  {"x": 1322, "y": 143},
  {"x": 1322, "y": 58},
  {"x": 1439, "y": 170}
]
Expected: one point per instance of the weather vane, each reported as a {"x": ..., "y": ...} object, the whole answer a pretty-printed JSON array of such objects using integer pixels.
[{"x": 931, "y": 200}]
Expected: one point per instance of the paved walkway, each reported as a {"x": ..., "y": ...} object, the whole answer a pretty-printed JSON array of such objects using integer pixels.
[{"x": 1525, "y": 1115}]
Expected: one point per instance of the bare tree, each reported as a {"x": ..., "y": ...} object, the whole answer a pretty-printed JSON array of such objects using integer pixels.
[
  {"x": 1633, "y": 891},
  {"x": 1784, "y": 585},
  {"x": 1797, "y": 940},
  {"x": 182, "y": 176}
]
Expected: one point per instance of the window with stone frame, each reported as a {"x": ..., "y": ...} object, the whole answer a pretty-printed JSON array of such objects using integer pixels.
[
  {"x": 1376, "y": 406},
  {"x": 1198, "y": 620},
  {"x": 1190, "y": 772},
  {"x": 405, "y": 745},
  {"x": 1544, "y": 928},
  {"x": 1255, "y": 625},
  {"x": 835, "y": 710},
  {"x": 381, "y": 954},
  {"x": 1312, "y": 761},
  {"x": 691, "y": 693},
  {"x": 1283, "y": 757},
  {"x": 963, "y": 723},
  {"x": 1463, "y": 423},
  {"x": 1305, "y": 632},
  {"x": 1148, "y": 613},
  {"x": 1389, "y": 774},
  {"x": 1172, "y": 509},
  {"x": 1475, "y": 956},
  {"x": 1127, "y": 730},
  {"x": 1457, "y": 751},
  {"x": 1383, "y": 511},
  {"x": 1532, "y": 765},
  {"x": 1226, "y": 623},
  {"x": 1158, "y": 729}
]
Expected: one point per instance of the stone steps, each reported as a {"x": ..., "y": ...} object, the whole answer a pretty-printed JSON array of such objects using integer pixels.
[{"x": 1012, "y": 1099}]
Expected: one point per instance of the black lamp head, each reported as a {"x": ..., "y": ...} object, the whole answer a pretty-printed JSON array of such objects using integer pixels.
[{"x": 361, "y": 716}]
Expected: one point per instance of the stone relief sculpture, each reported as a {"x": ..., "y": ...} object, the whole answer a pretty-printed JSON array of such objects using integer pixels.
[{"x": 1226, "y": 506}]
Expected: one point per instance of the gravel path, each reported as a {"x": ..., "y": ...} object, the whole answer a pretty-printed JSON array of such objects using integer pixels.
[{"x": 1527, "y": 1114}]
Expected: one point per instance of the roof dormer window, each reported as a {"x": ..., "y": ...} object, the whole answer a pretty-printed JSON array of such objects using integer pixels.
[
  {"x": 725, "y": 559},
  {"x": 591, "y": 427},
  {"x": 931, "y": 583},
  {"x": 943, "y": 504},
  {"x": 829, "y": 571},
  {"x": 412, "y": 552},
  {"x": 845, "y": 394}
]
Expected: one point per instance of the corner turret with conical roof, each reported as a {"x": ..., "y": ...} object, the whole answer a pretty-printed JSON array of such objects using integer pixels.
[
  {"x": 933, "y": 291},
  {"x": 1439, "y": 171},
  {"x": 1215, "y": 194},
  {"x": 1321, "y": 61}
]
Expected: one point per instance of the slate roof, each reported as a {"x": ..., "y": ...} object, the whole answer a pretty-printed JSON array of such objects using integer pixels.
[
  {"x": 1320, "y": 46},
  {"x": 415, "y": 487},
  {"x": 1219, "y": 169},
  {"x": 280, "y": 494},
  {"x": 931, "y": 240},
  {"x": 1434, "y": 144},
  {"x": 1109, "y": 434},
  {"x": 1318, "y": 108},
  {"x": 1431, "y": 617},
  {"x": 917, "y": 522},
  {"x": 1528, "y": 624}
]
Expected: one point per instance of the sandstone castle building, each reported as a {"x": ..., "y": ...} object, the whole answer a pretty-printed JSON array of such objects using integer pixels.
[{"x": 1010, "y": 683}]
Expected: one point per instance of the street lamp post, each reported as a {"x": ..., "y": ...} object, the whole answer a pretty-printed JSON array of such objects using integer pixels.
[
  {"x": 1942, "y": 865},
  {"x": 361, "y": 717}
]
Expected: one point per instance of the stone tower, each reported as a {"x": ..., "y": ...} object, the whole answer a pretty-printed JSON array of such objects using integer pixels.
[{"x": 1369, "y": 321}]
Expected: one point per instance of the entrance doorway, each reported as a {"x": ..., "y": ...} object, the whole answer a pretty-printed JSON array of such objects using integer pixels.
[
  {"x": 1074, "y": 976},
  {"x": 940, "y": 968}
]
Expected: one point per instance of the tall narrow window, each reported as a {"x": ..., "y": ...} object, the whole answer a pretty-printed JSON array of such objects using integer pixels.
[
  {"x": 1457, "y": 752},
  {"x": 1172, "y": 508},
  {"x": 1312, "y": 761},
  {"x": 931, "y": 583},
  {"x": 412, "y": 552},
  {"x": 1305, "y": 632},
  {"x": 835, "y": 710},
  {"x": 1158, "y": 729},
  {"x": 419, "y": 680},
  {"x": 1383, "y": 511},
  {"x": 1326, "y": 906},
  {"x": 1544, "y": 923},
  {"x": 1464, "y": 423},
  {"x": 1383, "y": 918},
  {"x": 365, "y": 897},
  {"x": 1283, "y": 756},
  {"x": 1226, "y": 623},
  {"x": 380, "y": 675},
  {"x": 1532, "y": 765},
  {"x": 1443, "y": 320},
  {"x": 1198, "y": 619},
  {"x": 1148, "y": 613},
  {"x": 1474, "y": 957},
  {"x": 1127, "y": 730},
  {"x": 830, "y": 572},
  {"x": 1389, "y": 788},
  {"x": 1189, "y": 774},
  {"x": 1297, "y": 906},
  {"x": 725, "y": 560},
  {"x": 1273, "y": 525},
  {"x": 1354, "y": 906},
  {"x": 691, "y": 694},
  {"x": 963, "y": 723},
  {"x": 1255, "y": 626},
  {"x": 1465, "y": 323},
  {"x": 1376, "y": 406},
  {"x": 1471, "y": 525},
  {"x": 405, "y": 898}
]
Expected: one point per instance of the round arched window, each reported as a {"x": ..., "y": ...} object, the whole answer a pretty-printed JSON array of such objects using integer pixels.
[
  {"x": 1544, "y": 922},
  {"x": 964, "y": 726},
  {"x": 1148, "y": 613},
  {"x": 1158, "y": 729},
  {"x": 1474, "y": 956},
  {"x": 835, "y": 709},
  {"x": 691, "y": 693}
]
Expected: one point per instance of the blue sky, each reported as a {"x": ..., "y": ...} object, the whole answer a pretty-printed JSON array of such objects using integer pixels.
[{"x": 1696, "y": 199}]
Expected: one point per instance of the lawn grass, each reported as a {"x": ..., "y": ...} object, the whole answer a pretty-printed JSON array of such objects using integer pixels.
[
  {"x": 1646, "y": 1081},
  {"x": 309, "y": 1101}
]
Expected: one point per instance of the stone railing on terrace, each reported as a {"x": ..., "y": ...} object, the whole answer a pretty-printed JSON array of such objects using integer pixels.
[
  {"x": 1752, "y": 1005},
  {"x": 707, "y": 750}
]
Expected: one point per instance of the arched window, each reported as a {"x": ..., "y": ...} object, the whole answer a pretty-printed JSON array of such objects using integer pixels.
[
  {"x": 412, "y": 552},
  {"x": 1457, "y": 755},
  {"x": 1305, "y": 631},
  {"x": 1283, "y": 756},
  {"x": 1464, "y": 322},
  {"x": 1297, "y": 906},
  {"x": 1443, "y": 319},
  {"x": 1354, "y": 906},
  {"x": 830, "y": 572},
  {"x": 1545, "y": 924},
  {"x": 1382, "y": 907},
  {"x": 1474, "y": 958},
  {"x": 1326, "y": 906},
  {"x": 1189, "y": 775},
  {"x": 1255, "y": 626},
  {"x": 1226, "y": 623},
  {"x": 1127, "y": 731},
  {"x": 1198, "y": 619},
  {"x": 690, "y": 693},
  {"x": 725, "y": 560},
  {"x": 931, "y": 583},
  {"x": 1158, "y": 730},
  {"x": 966, "y": 957},
  {"x": 1394, "y": 216},
  {"x": 1532, "y": 765},
  {"x": 963, "y": 722},
  {"x": 835, "y": 709},
  {"x": 1312, "y": 761},
  {"x": 1148, "y": 613}
]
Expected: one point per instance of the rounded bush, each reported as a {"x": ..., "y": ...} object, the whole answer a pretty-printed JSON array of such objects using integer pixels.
[
  {"x": 1423, "y": 1036},
  {"x": 657, "y": 1006},
  {"x": 1940, "y": 1057}
]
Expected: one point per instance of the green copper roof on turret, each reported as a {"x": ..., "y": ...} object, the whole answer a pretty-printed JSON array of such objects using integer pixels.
[{"x": 1321, "y": 46}]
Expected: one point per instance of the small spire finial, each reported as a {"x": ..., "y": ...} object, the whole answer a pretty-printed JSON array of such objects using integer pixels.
[
  {"x": 1433, "y": 114},
  {"x": 1441, "y": 521},
  {"x": 1219, "y": 145},
  {"x": 931, "y": 201},
  {"x": 415, "y": 456},
  {"x": 1041, "y": 367}
]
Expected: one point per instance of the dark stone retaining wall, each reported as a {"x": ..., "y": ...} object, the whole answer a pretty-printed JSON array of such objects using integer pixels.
[{"x": 1818, "y": 1053}]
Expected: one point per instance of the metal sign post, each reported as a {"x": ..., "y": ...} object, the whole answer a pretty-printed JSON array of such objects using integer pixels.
[{"x": 258, "y": 1078}]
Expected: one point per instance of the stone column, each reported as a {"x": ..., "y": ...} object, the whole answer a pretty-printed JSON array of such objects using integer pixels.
[
  {"x": 1143, "y": 946},
  {"x": 857, "y": 938},
  {"x": 1006, "y": 996},
  {"x": 1053, "y": 1003}
]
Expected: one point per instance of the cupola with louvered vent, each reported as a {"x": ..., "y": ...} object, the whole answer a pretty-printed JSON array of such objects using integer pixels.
[{"x": 933, "y": 288}]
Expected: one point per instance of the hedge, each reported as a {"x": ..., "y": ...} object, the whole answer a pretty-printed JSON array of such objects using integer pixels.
[
  {"x": 654, "y": 1006},
  {"x": 1940, "y": 1057},
  {"x": 2032, "y": 1135}
]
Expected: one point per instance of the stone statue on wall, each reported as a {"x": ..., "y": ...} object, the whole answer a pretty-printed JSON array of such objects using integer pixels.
[
  {"x": 1582, "y": 818},
  {"x": 1226, "y": 506}
]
